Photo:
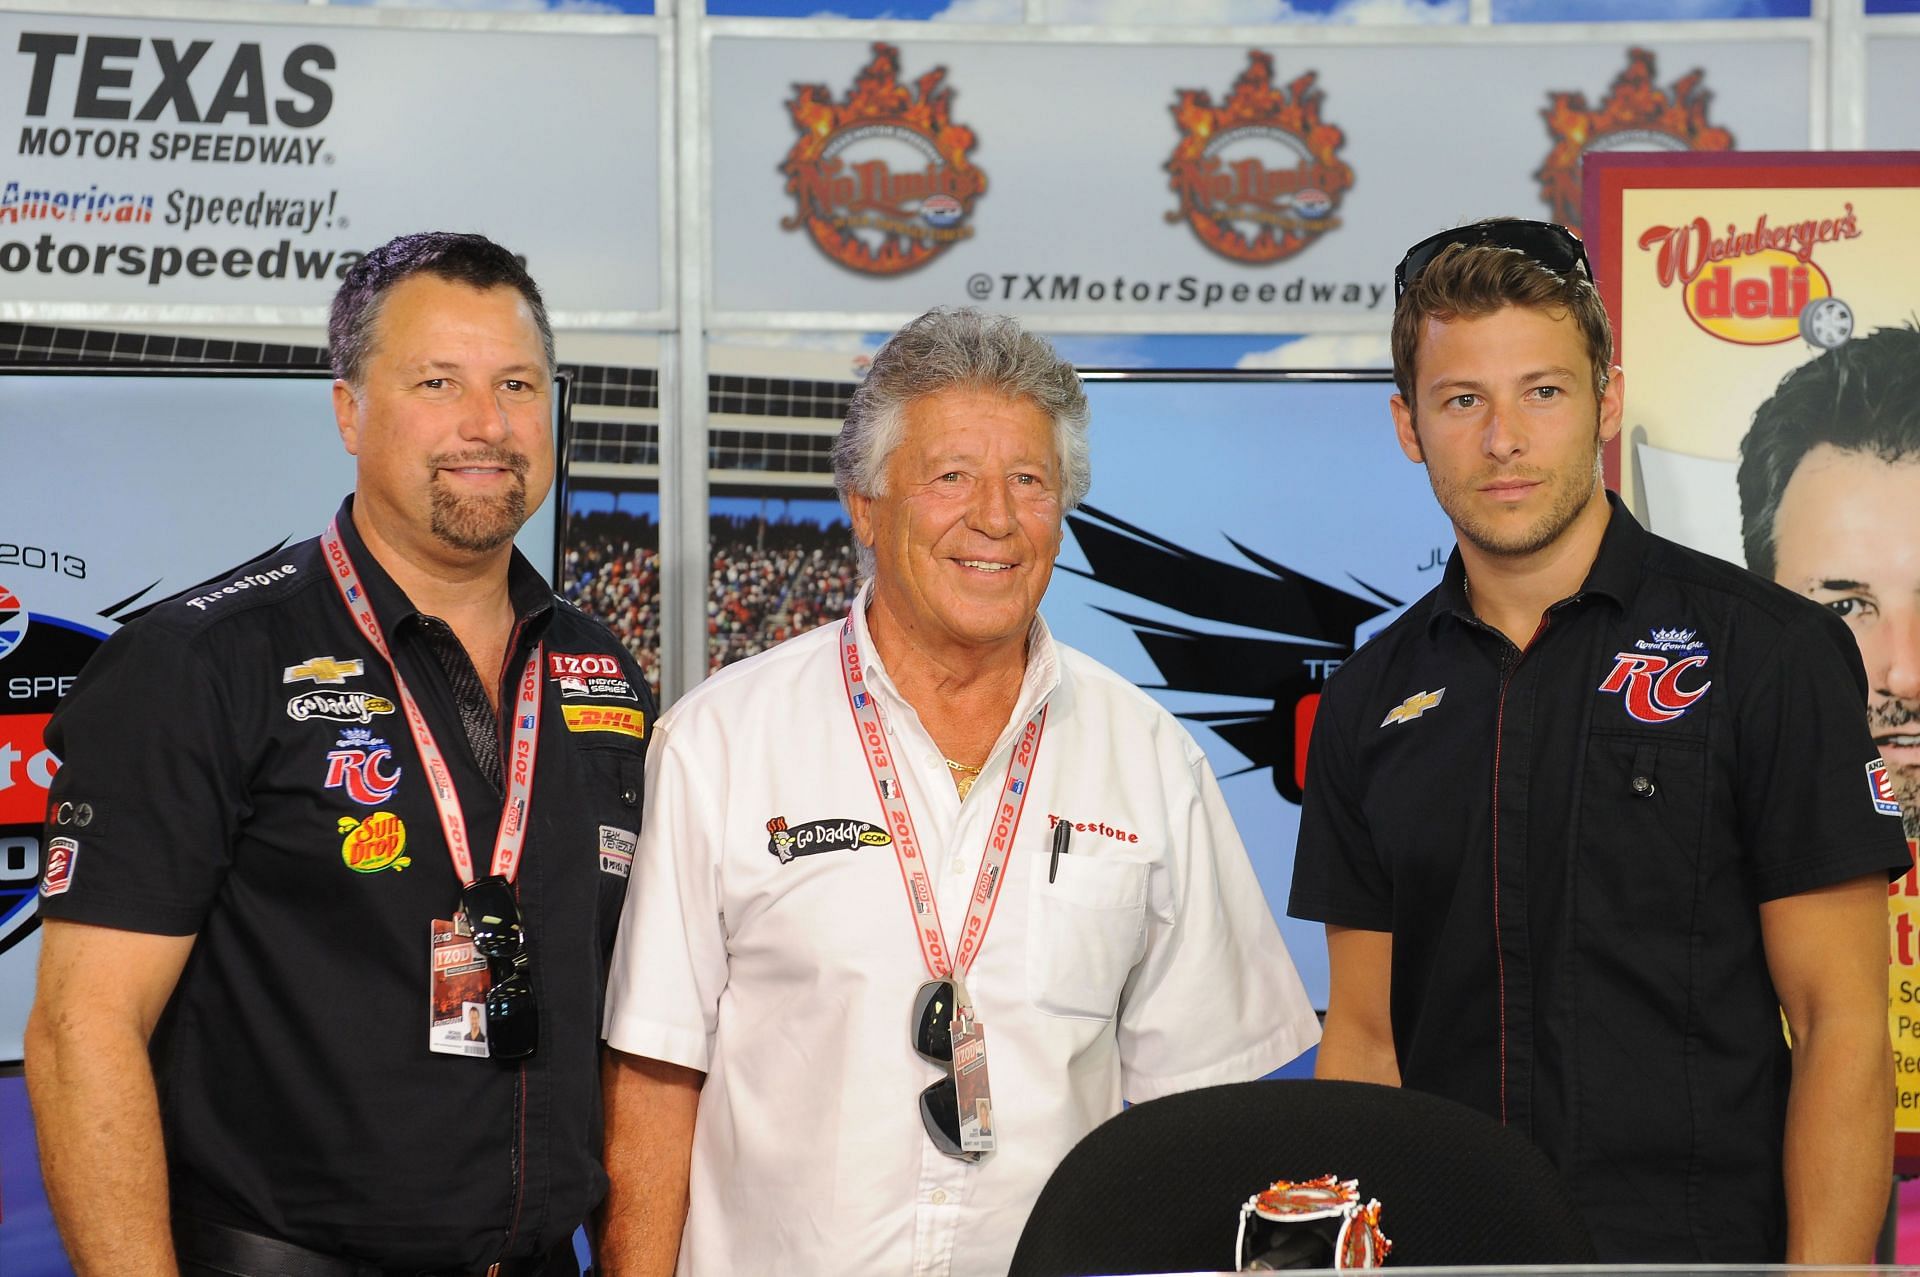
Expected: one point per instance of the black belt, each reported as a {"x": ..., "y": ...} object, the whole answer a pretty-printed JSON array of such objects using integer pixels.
[{"x": 215, "y": 1248}]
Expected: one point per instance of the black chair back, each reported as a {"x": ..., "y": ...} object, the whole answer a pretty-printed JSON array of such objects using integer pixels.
[{"x": 1158, "y": 1189}]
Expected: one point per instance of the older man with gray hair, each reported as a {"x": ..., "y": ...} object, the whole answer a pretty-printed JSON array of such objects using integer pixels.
[{"x": 922, "y": 895}]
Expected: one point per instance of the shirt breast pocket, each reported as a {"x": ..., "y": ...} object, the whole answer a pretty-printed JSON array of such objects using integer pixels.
[
  {"x": 1642, "y": 812},
  {"x": 613, "y": 778},
  {"x": 1085, "y": 931}
]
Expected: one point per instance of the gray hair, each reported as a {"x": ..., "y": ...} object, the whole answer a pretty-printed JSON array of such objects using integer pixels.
[{"x": 948, "y": 349}]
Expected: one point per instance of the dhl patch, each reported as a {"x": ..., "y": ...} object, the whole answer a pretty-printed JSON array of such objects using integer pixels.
[{"x": 605, "y": 718}]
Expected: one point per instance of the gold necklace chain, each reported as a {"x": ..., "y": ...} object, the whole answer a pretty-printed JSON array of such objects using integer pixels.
[{"x": 963, "y": 776}]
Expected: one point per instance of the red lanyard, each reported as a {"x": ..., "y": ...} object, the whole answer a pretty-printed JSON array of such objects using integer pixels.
[
  {"x": 525, "y": 741},
  {"x": 906, "y": 843}
]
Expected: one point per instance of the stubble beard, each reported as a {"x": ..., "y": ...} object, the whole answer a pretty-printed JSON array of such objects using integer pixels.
[
  {"x": 1568, "y": 501},
  {"x": 1891, "y": 714},
  {"x": 479, "y": 524}
]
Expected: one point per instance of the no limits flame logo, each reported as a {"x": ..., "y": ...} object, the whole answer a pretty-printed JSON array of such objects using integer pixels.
[
  {"x": 1263, "y": 158},
  {"x": 861, "y": 210},
  {"x": 1636, "y": 115}
]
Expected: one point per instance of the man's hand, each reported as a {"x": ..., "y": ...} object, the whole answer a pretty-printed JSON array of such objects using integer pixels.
[
  {"x": 1827, "y": 951},
  {"x": 650, "y": 1108},
  {"x": 100, "y": 993}
]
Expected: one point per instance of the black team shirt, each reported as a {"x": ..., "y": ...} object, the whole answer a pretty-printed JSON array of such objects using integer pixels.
[
  {"x": 246, "y": 775},
  {"x": 1570, "y": 847}
]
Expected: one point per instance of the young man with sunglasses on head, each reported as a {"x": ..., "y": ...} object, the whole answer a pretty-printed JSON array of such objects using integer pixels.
[
  {"x": 923, "y": 894},
  {"x": 315, "y": 811},
  {"x": 1589, "y": 817}
]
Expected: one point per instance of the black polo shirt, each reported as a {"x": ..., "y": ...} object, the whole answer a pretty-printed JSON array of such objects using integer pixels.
[
  {"x": 1570, "y": 846},
  {"x": 222, "y": 756}
]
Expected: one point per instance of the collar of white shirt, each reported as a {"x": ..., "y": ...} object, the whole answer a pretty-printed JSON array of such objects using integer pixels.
[{"x": 1037, "y": 684}]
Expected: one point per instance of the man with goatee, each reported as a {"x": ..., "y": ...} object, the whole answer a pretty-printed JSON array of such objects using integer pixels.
[{"x": 311, "y": 810}]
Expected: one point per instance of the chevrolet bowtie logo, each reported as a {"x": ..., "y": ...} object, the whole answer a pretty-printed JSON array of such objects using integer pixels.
[
  {"x": 1413, "y": 707},
  {"x": 324, "y": 669}
]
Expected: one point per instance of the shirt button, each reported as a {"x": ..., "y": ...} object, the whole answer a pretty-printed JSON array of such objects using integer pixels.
[{"x": 939, "y": 1197}]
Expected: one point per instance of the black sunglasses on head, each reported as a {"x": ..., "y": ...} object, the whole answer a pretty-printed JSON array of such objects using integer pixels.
[
  {"x": 1551, "y": 245},
  {"x": 513, "y": 1020},
  {"x": 932, "y": 1033}
]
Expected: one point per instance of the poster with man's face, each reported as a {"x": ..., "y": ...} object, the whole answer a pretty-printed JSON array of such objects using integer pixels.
[{"x": 1768, "y": 308}]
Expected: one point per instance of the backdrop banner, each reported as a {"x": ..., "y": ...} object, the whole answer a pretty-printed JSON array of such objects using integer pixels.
[
  {"x": 1175, "y": 184},
  {"x": 148, "y": 165},
  {"x": 1767, "y": 308}
]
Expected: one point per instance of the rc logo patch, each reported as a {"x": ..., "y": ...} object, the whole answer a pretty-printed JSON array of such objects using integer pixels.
[
  {"x": 1659, "y": 688},
  {"x": 1880, "y": 785},
  {"x": 616, "y": 850},
  {"x": 1413, "y": 707},
  {"x": 323, "y": 669},
  {"x": 816, "y": 836},
  {"x": 380, "y": 842},
  {"x": 61, "y": 853},
  {"x": 605, "y": 718},
  {"x": 362, "y": 764}
]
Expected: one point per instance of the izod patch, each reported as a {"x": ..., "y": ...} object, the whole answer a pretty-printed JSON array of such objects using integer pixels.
[
  {"x": 379, "y": 842},
  {"x": 616, "y": 850},
  {"x": 605, "y": 718},
  {"x": 61, "y": 854},
  {"x": 784, "y": 841}
]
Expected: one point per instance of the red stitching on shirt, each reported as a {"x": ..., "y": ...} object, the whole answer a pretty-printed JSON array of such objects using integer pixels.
[{"x": 1499, "y": 957}]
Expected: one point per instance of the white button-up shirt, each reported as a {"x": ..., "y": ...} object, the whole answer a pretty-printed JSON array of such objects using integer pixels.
[{"x": 1149, "y": 964}]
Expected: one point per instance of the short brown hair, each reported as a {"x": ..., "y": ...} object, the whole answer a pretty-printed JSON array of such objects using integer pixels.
[
  {"x": 1476, "y": 280},
  {"x": 473, "y": 260}
]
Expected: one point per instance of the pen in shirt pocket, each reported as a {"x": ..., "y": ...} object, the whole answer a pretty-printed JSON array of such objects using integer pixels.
[{"x": 1061, "y": 832}]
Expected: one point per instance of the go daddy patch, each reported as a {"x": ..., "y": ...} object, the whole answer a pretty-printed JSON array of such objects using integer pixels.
[{"x": 815, "y": 836}]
